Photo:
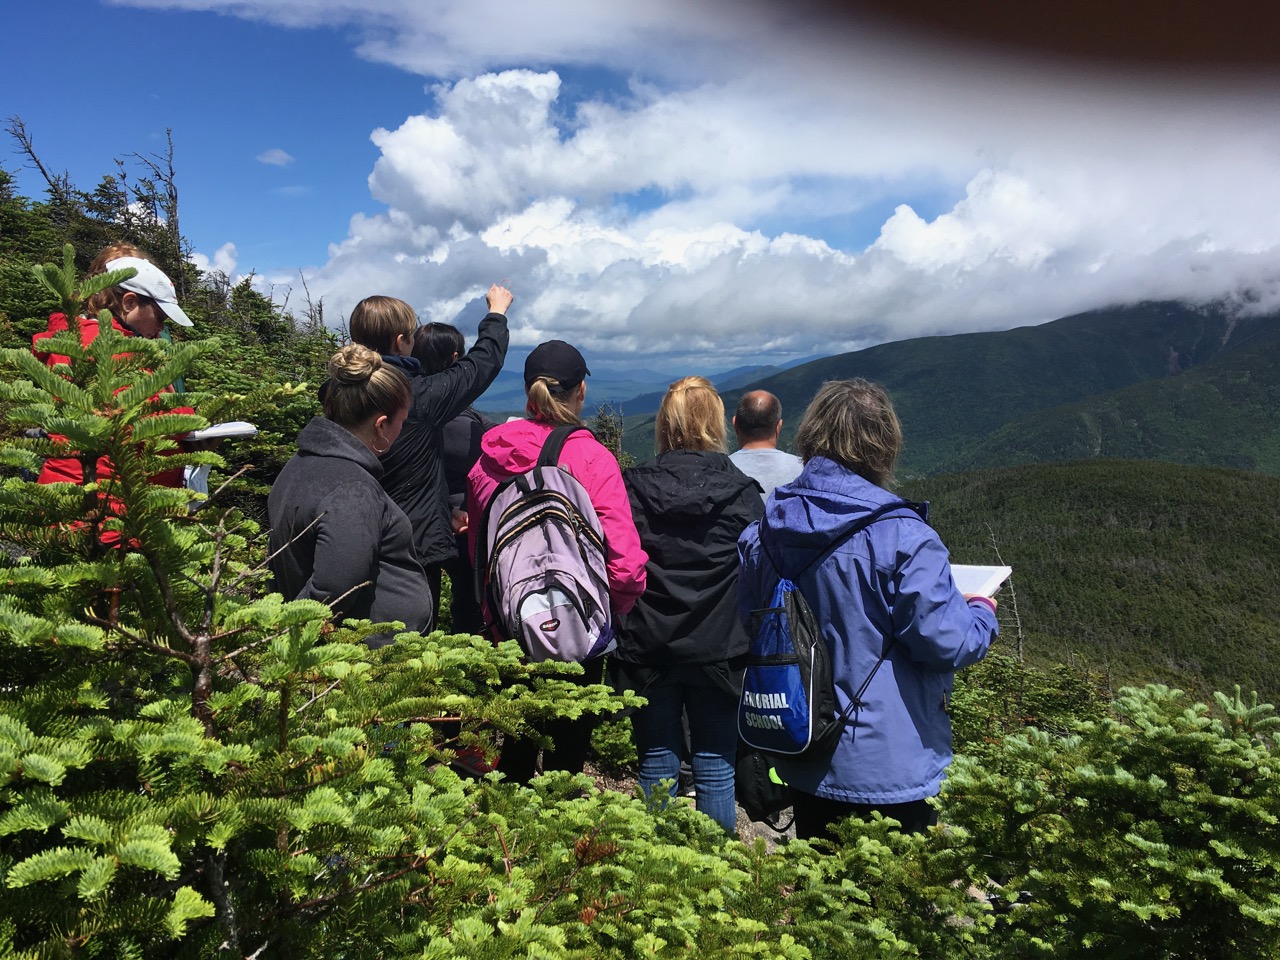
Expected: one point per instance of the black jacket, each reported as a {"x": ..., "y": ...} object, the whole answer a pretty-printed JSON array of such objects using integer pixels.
[
  {"x": 414, "y": 468},
  {"x": 461, "y": 446},
  {"x": 689, "y": 507},
  {"x": 333, "y": 527}
]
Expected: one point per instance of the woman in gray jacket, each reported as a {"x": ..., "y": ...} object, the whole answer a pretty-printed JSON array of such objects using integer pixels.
[{"x": 335, "y": 534}]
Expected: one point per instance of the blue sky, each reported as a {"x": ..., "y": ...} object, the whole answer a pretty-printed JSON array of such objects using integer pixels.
[
  {"x": 230, "y": 89},
  {"x": 708, "y": 184}
]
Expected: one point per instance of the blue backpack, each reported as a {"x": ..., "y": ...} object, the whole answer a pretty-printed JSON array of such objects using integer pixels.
[{"x": 788, "y": 701}]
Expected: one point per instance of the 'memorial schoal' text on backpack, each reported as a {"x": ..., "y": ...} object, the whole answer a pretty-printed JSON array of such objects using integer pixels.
[
  {"x": 541, "y": 562},
  {"x": 788, "y": 701}
]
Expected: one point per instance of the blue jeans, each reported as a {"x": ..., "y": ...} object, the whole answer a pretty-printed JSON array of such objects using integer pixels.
[{"x": 713, "y": 729}]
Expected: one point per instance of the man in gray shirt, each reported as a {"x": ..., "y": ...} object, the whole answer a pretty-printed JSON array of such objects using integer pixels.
[{"x": 758, "y": 424}]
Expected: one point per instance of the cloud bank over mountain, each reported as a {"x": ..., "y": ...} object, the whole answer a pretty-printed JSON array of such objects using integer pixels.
[{"x": 750, "y": 181}]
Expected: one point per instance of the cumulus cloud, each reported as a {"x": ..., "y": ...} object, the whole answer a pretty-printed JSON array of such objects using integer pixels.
[
  {"x": 759, "y": 186},
  {"x": 223, "y": 261},
  {"x": 275, "y": 157},
  {"x": 504, "y": 180}
]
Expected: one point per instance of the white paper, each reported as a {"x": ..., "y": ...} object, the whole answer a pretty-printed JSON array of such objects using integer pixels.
[
  {"x": 220, "y": 431},
  {"x": 197, "y": 478},
  {"x": 977, "y": 580}
]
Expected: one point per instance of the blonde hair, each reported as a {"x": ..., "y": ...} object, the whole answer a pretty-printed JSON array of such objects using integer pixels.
[
  {"x": 112, "y": 297},
  {"x": 691, "y": 417},
  {"x": 361, "y": 386},
  {"x": 377, "y": 321},
  {"x": 547, "y": 403},
  {"x": 853, "y": 423}
]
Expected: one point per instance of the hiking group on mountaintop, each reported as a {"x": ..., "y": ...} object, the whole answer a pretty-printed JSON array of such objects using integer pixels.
[{"x": 654, "y": 578}]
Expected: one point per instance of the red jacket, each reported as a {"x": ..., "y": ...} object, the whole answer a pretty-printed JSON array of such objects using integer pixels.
[
  {"x": 67, "y": 469},
  {"x": 513, "y": 447}
]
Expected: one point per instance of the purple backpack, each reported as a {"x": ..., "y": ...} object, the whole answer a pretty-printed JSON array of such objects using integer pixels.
[{"x": 541, "y": 562}]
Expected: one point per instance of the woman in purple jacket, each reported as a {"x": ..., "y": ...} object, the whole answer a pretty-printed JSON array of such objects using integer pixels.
[{"x": 885, "y": 592}]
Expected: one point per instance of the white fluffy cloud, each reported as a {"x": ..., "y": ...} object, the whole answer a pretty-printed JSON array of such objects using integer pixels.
[
  {"x": 223, "y": 261},
  {"x": 762, "y": 187},
  {"x": 502, "y": 180}
]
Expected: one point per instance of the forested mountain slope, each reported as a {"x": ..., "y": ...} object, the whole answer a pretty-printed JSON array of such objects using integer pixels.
[
  {"x": 1151, "y": 571},
  {"x": 1225, "y": 413},
  {"x": 953, "y": 392}
]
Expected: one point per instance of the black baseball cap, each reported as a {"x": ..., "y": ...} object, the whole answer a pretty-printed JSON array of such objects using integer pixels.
[{"x": 558, "y": 360}]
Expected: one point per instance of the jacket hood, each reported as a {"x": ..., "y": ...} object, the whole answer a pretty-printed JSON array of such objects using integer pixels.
[
  {"x": 324, "y": 438},
  {"x": 514, "y": 446},
  {"x": 409, "y": 366},
  {"x": 821, "y": 504},
  {"x": 691, "y": 483}
]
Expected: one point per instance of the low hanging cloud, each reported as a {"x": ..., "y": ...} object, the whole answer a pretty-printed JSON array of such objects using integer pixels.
[
  {"x": 505, "y": 180},
  {"x": 826, "y": 191}
]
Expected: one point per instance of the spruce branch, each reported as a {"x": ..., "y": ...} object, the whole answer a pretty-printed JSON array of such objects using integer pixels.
[
  {"x": 133, "y": 640},
  {"x": 586, "y": 852},
  {"x": 239, "y": 651},
  {"x": 262, "y": 565},
  {"x": 506, "y": 854},
  {"x": 227, "y": 482},
  {"x": 368, "y": 884},
  {"x": 319, "y": 696}
]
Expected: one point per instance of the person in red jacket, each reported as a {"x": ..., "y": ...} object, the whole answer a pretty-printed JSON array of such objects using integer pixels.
[{"x": 139, "y": 306}]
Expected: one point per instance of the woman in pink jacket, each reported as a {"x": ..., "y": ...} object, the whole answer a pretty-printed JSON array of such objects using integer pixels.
[{"x": 555, "y": 384}]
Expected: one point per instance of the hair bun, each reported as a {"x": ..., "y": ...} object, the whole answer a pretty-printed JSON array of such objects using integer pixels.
[{"x": 354, "y": 364}]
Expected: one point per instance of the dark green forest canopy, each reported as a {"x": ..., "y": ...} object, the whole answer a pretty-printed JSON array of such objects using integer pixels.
[
  {"x": 1151, "y": 571},
  {"x": 1223, "y": 413},
  {"x": 952, "y": 392}
]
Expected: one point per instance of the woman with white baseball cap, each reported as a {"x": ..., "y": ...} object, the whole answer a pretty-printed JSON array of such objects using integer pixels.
[{"x": 139, "y": 306}]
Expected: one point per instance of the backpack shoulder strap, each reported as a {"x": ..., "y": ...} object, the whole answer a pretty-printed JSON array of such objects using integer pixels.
[
  {"x": 919, "y": 511},
  {"x": 551, "y": 447}
]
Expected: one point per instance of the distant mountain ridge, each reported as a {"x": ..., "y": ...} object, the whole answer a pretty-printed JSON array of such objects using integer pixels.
[
  {"x": 639, "y": 391},
  {"x": 506, "y": 393},
  {"x": 956, "y": 394}
]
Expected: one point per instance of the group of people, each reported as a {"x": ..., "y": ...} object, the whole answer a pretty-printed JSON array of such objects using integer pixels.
[
  {"x": 387, "y": 483},
  {"x": 361, "y": 515}
]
